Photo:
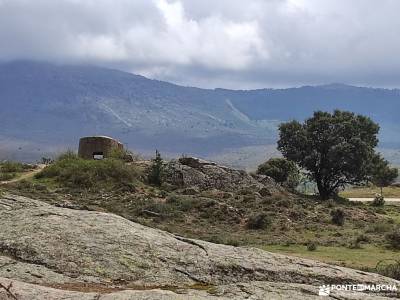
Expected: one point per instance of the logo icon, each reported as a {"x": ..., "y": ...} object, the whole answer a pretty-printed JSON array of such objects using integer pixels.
[{"x": 324, "y": 290}]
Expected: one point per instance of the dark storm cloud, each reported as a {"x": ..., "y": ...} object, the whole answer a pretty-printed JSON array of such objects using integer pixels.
[{"x": 229, "y": 43}]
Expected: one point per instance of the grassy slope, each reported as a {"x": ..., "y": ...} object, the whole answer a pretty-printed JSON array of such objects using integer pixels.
[
  {"x": 10, "y": 170},
  {"x": 220, "y": 217},
  {"x": 364, "y": 258}
]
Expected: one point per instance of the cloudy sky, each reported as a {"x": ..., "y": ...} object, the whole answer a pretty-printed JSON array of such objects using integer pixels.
[{"x": 213, "y": 43}]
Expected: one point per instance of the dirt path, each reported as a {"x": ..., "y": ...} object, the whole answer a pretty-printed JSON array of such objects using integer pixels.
[
  {"x": 371, "y": 199},
  {"x": 26, "y": 175}
]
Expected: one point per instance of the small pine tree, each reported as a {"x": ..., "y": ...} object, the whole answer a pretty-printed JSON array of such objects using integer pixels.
[{"x": 156, "y": 170}]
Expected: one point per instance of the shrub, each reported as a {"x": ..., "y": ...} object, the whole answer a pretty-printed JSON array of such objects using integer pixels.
[
  {"x": 7, "y": 176},
  {"x": 71, "y": 171},
  {"x": 311, "y": 246},
  {"x": 13, "y": 167},
  {"x": 232, "y": 242},
  {"x": 285, "y": 203},
  {"x": 281, "y": 170},
  {"x": 157, "y": 209},
  {"x": 181, "y": 203},
  {"x": 356, "y": 244},
  {"x": 156, "y": 170},
  {"x": 379, "y": 228},
  {"x": 122, "y": 154},
  {"x": 379, "y": 200},
  {"x": 69, "y": 154},
  {"x": 338, "y": 217},
  {"x": 393, "y": 238},
  {"x": 216, "y": 239},
  {"x": 23, "y": 185},
  {"x": 259, "y": 221},
  {"x": 389, "y": 268}
]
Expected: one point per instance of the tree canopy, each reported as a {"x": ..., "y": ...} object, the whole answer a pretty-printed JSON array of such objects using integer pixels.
[
  {"x": 335, "y": 148},
  {"x": 281, "y": 170},
  {"x": 382, "y": 174}
]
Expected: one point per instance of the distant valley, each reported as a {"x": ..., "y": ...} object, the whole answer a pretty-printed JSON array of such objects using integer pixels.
[{"x": 45, "y": 108}]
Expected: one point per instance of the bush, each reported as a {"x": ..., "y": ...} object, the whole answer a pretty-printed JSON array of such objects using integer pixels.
[
  {"x": 180, "y": 203},
  {"x": 13, "y": 167},
  {"x": 379, "y": 200},
  {"x": 379, "y": 228},
  {"x": 260, "y": 221},
  {"x": 7, "y": 176},
  {"x": 23, "y": 185},
  {"x": 281, "y": 170},
  {"x": 71, "y": 171},
  {"x": 123, "y": 154},
  {"x": 356, "y": 244},
  {"x": 232, "y": 242},
  {"x": 216, "y": 239},
  {"x": 156, "y": 170},
  {"x": 311, "y": 246},
  {"x": 389, "y": 268},
  {"x": 393, "y": 238},
  {"x": 338, "y": 217}
]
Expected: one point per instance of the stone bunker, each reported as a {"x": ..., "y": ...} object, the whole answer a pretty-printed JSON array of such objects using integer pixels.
[{"x": 97, "y": 147}]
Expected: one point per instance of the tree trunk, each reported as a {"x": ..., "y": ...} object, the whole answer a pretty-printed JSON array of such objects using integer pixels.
[{"x": 323, "y": 191}]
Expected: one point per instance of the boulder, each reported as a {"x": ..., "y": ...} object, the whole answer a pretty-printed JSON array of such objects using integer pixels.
[{"x": 191, "y": 171}]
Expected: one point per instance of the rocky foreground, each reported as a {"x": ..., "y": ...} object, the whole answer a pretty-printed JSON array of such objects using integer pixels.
[{"x": 49, "y": 252}]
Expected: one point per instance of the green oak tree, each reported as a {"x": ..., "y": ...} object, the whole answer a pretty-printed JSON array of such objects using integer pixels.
[
  {"x": 335, "y": 149},
  {"x": 282, "y": 170},
  {"x": 382, "y": 174}
]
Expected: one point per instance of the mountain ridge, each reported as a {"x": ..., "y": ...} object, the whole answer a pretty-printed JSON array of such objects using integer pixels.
[{"x": 47, "y": 106}]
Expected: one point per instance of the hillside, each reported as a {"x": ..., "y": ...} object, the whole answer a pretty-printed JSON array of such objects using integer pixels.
[
  {"x": 47, "y": 107},
  {"x": 103, "y": 256},
  {"x": 203, "y": 200}
]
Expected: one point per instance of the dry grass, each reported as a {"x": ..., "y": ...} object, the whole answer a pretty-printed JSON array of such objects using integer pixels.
[{"x": 369, "y": 192}]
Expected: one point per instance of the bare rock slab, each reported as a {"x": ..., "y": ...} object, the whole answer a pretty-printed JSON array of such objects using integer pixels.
[{"x": 47, "y": 245}]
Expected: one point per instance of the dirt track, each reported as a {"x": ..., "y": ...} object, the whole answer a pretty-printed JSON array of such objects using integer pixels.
[
  {"x": 371, "y": 199},
  {"x": 25, "y": 175}
]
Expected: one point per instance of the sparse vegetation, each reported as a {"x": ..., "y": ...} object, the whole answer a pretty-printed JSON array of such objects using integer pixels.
[
  {"x": 71, "y": 171},
  {"x": 379, "y": 228},
  {"x": 311, "y": 246},
  {"x": 356, "y": 244},
  {"x": 369, "y": 191},
  {"x": 393, "y": 238},
  {"x": 10, "y": 169},
  {"x": 238, "y": 217},
  {"x": 259, "y": 221},
  {"x": 378, "y": 200},
  {"x": 389, "y": 268},
  {"x": 338, "y": 217},
  {"x": 366, "y": 258},
  {"x": 7, "y": 176},
  {"x": 123, "y": 154}
]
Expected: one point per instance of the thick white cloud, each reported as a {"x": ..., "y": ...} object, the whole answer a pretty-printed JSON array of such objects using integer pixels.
[{"x": 230, "y": 43}]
